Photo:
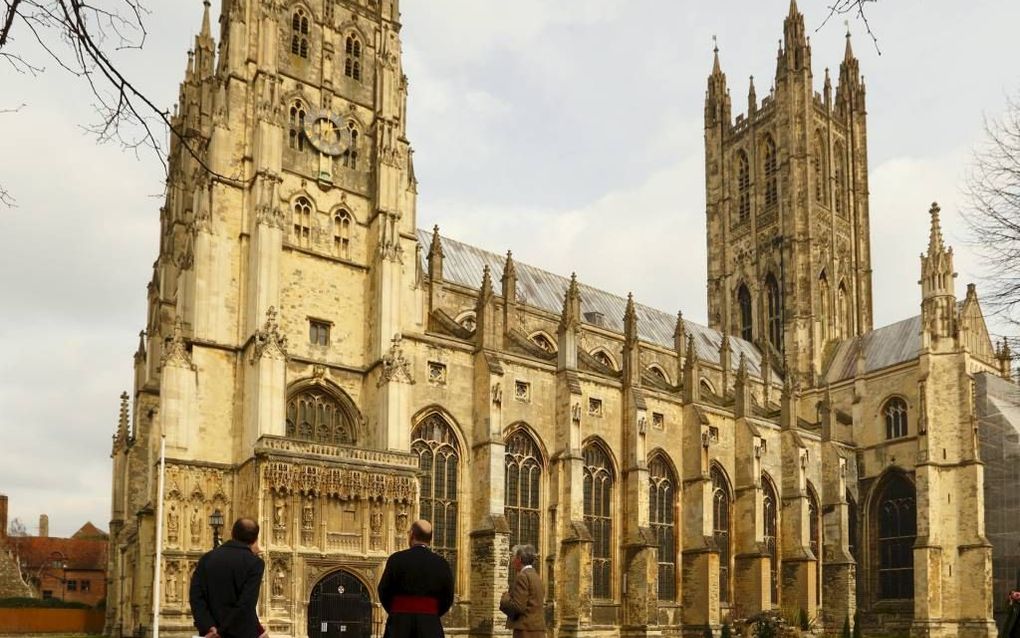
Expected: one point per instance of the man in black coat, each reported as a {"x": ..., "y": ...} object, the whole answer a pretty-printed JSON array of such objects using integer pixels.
[
  {"x": 416, "y": 588},
  {"x": 225, "y": 586}
]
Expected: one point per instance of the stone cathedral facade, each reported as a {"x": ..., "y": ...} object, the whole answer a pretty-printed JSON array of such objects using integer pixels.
[{"x": 316, "y": 360}]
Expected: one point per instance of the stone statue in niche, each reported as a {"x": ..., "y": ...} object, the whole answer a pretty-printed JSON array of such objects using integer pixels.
[
  {"x": 308, "y": 520},
  {"x": 376, "y": 523},
  {"x": 279, "y": 579},
  {"x": 171, "y": 584},
  {"x": 196, "y": 527},
  {"x": 279, "y": 521},
  {"x": 173, "y": 525}
]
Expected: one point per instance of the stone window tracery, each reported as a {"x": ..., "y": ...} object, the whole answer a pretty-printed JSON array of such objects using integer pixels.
[
  {"x": 818, "y": 162},
  {"x": 662, "y": 486},
  {"x": 839, "y": 179},
  {"x": 897, "y": 528},
  {"x": 843, "y": 311},
  {"x": 659, "y": 373},
  {"x": 770, "y": 504},
  {"x": 303, "y": 221},
  {"x": 774, "y": 318},
  {"x": 296, "y": 138},
  {"x": 316, "y": 415},
  {"x": 350, "y": 157},
  {"x": 721, "y": 500},
  {"x": 771, "y": 173},
  {"x": 598, "y": 509},
  {"x": 604, "y": 359},
  {"x": 523, "y": 480},
  {"x": 815, "y": 533},
  {"x": 895, "y": 413},
  {"x": 823, "y": 306},
  {"x": 746, "y": 314},
  {"x": 743, "y": 188},
  {"x": 543, "y": 342},
  {"x": 352, "y": 57},
  {"x": 342, "y": 234},
  {"x": 299, "y": 33},
  {"x": 436, "y": 447}
]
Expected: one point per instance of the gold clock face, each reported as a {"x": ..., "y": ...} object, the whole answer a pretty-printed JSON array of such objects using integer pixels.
[{"x": 326, "y": 132}]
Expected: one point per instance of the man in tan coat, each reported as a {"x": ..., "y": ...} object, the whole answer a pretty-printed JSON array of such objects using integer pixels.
[{"x": 524, "y": 604}]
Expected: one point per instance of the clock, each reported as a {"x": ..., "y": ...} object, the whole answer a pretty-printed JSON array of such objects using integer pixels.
[{"x": 327, "y": 133}]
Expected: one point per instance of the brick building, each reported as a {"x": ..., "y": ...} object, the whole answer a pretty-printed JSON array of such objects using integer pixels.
[{"x": 71, "y": 569}]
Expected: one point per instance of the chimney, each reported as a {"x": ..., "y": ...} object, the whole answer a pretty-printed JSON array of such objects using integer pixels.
[
  {"x": 3, "y": 516},
  {"x": 44, "y": 526}
]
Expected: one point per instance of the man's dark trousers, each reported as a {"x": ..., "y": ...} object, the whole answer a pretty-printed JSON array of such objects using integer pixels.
[
  {"x": 225, "y": 589},
  {"x": 416, "y": 590}
]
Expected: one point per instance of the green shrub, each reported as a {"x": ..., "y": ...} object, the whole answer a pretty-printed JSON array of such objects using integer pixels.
[
  {"x": 52, "y": 603},
  {"x": 765, "y": 625},
  {"x": 725, "y": 631}
]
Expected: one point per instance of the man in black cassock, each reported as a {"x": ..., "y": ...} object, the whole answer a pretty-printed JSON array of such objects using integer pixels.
[
  {"x": 1011, "y": 628},
  {"x": 416, "y": 588}
]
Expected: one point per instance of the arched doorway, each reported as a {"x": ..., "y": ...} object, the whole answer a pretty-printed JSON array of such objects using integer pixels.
[{"x": 340, "y": 606}]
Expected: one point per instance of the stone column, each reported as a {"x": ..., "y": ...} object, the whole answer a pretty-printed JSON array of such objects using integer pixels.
[
  {"x": 798, "y": 578},
  {"x": 700, "y": 570},
  {"x": 751, "y": 578}
]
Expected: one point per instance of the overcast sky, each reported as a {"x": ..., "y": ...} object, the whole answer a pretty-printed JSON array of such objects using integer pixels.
[{"x": 569, "y": 131}]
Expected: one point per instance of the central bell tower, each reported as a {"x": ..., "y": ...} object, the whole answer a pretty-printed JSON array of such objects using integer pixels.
[{"x": 789, "y": 255}]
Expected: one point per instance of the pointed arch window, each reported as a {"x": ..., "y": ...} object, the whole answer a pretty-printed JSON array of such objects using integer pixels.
[
  {"x": 815, "y": 533},
  {"x": 818, "y": 161},
  {"x": 523, "y": 479},
  {"x": 771, "y": 173},
  {"x": 774, "y": 318},
  {"x": 352, "y": 57},
  {"x": 543, "y": 342},
  {"x": 598, "y": 510},
  {"x": 770, "y": 505},
  {"x": 328, "y": 12},
  {"x": 897, "y": 528},
  {"x": 604, "y": 359},
  {"x": 823, "y": 306},
  {"x": 299, "y": 33},
  {"x": 895, "y": 413},
  {"x": 658, "y": 373},
  {"x": 662, "y": 486},
  {"x": 435, "y": 445},
  {"x": 839, "y": 180},
  {"x": 316, "y": 415},
  {"x": 302, "y": 221},
  {"x": 743, "y": 188},
  {"x": 721, "y": 500},
  {"x": 843, "y": 311},
  {"x": 296, "y": 138},
  {"x": 351, "y": 156},
  {"x": 746, "y": 315},
  {"x": 342, "y": 234}
]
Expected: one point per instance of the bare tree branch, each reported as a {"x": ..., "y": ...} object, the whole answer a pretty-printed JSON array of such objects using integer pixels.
[
  {"x": 993, "y": 210},
  {"x": 852, "y": 7},
  {"x": 79, "y": 37}
]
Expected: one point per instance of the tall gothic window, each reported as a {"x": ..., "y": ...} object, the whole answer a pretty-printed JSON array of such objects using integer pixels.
[
  {"x": 851, "y": 517},
  {"x": 598, "y": 511},
  {"x": 296, "y": 139},
  {"x": 823, "y": 306},
  {"x": 299, "y": 33},
  {"x": 302, "y": 221},
  {"x": 342, "y": 234},
  {"x": 352, "y": 57},
  {"x": 897, "y": 527},
  {"x": 815, "y": 532},
  {"x": 771, "y": 171},
  {"x": 839, "y": 179},
  {"x": 328, "y": 12},
  {"x": 770, "y": 505},
  {"x": 895, "y": 413},
  {"x": 315, "y": 415},
  {"x": 662, "y": 517},
  {"x": 435, "y": 445},
  {"x": 843, "y": 311},
  {"x": 743, "y": 188},
  {"x": 351, "y": 156},
  {"x": 818, "y": 161},
  {"x": 746, "y": 316},
  {"x": 774, "y": 318},
  {"x": 721, "y": 500},
  {"x": 523, "y": 478}
]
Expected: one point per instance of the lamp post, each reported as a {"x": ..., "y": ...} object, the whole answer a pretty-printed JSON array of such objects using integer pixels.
[{"x": 216, "y": 523}]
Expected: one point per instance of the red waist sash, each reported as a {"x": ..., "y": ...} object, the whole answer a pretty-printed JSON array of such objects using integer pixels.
[{"x": 414, "y": 605}]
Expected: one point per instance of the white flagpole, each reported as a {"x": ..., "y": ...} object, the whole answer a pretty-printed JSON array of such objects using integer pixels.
[{"x": 157, "y": 576}]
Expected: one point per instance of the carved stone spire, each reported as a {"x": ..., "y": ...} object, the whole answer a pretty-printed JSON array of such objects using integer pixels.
[
  {"x": 435, "y": 256},
  {"x": 485, "y": 312},
  {"x": 571, "y": 315},
  {"x": 938, "y": 290},
  {"x": 631, "y": 349},
  {"x": 692, "y": 373},
  {"x": 509, "y": 279},
  {"x": 120, "y": 439},
  {"x": 742, "y": 388},
  {"x": 679, "y": 335},
  {"x": 717, "y": 97}
]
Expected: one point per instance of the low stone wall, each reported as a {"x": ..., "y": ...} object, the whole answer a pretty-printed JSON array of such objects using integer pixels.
[{"x": 49, "y": 621}]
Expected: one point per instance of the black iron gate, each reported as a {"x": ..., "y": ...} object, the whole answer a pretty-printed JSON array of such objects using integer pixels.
[{"x": 340, "y": 607}]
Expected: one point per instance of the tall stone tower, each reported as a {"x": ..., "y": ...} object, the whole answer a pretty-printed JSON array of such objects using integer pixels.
[
  {"x": 789, "y": 261},
  {"x": 286, "y": 261}
]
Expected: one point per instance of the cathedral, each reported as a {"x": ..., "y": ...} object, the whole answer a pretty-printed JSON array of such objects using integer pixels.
[{"x": 314, "y": 359}]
